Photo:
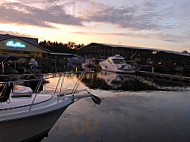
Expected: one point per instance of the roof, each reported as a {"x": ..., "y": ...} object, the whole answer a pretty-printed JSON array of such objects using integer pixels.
[
  {"x": 4, "y": 58},
  {"x": 33, "y": 41},
  {"x": 142, "y": 48},
  {"x": 62, "y": 54}
]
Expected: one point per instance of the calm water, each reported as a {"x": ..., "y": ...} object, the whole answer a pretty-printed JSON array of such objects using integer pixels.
[{"x": 133, "y": 108}]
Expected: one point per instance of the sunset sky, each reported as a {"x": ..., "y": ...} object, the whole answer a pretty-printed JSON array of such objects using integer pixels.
[{"x": 163, "y": 24}]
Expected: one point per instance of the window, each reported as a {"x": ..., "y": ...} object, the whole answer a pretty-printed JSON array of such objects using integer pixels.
[
  {"x": 118, "y": 61},
  {"x": 110, "y": 61}
]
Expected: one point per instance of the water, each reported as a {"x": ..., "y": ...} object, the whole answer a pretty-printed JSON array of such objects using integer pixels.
[{"x": 133, "y": 108}]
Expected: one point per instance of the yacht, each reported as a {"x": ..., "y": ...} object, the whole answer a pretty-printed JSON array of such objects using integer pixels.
[
  {"x": 116, "y": 64},
  {"x": 30, "y": 117}
]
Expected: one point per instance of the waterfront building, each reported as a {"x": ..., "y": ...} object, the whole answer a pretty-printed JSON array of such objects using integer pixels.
[
  {"x": 161, "y": 60},
  {"x": 19, "y": 50},
  {"x": 21, "y": 46}
]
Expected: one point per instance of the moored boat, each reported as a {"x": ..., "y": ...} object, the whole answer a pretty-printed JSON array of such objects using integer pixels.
[
  {"x": 116, "y": 64},
  {"x": 31, "y": 118}
]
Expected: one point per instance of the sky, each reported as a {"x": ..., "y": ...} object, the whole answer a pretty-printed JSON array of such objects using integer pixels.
[{"x": 163, "y": 24}]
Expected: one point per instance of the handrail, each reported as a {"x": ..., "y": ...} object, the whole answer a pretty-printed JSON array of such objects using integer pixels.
[
  {"x": 62, "y": 75},
  {"x": 57, "y": 84},
  {"x": 77, "y": 84},
  {"x": 61, "y": 87},
  {"x": 36, "y": 91}
]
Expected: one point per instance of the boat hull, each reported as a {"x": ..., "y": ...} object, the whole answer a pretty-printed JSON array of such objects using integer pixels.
[
  {"x": 113, "y": 68},
  {"x": 120, "y": 71},
  {"x": 29, "y": 128}
]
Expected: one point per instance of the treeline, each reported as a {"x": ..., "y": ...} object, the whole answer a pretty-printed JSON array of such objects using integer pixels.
[{"x": 70, "y": 47}]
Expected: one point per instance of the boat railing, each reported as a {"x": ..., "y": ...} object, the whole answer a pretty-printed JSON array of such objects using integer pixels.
[
  {"x": 58, "y": 94},
  {"x": 75, "y": 87},
  {"x": 59, "y": 84}
]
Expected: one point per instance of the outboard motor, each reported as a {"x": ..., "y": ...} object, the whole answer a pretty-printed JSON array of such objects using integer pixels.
[{"x": 5, "y": 90}]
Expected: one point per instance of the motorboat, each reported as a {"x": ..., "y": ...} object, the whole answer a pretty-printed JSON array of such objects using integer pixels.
[
  {"x": 31, "y": 118},
  {"x": 116, "y": 64}
]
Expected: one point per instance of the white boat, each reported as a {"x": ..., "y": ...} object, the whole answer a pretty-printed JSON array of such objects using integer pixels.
[
  {"x": 116, "y": 64},
  {"x": 31, "y": 118}
]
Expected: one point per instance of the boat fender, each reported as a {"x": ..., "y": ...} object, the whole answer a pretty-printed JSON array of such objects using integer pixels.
[{"x": 96, "y": 99}]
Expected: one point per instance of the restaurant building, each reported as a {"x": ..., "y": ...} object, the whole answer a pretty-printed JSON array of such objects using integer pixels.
[{"x": 21, "y": 46}]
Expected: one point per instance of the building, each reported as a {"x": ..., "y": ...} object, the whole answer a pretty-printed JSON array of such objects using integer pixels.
[
  {"x": 21, "y": 46},
  {"x": 162, "y": 60},
  {"x": 15, "y": 52}
]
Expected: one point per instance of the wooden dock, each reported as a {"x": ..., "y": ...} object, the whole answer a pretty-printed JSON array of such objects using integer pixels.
[{"x": 165, "y": 76}]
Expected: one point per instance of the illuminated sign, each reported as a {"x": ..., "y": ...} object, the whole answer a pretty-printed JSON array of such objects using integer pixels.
[{"x": 15, "y": 44}]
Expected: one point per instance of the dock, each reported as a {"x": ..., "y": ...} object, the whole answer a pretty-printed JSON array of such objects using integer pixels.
[{"x": 165, "y": 76}]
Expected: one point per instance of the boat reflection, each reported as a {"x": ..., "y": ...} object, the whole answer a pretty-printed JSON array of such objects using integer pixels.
[
  {"x": 115, "y": 80},
  {"x": 33, "y": 84},
  {"x": 106, "y": 80}
]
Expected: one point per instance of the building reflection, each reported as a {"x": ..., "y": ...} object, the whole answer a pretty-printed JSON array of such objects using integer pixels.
[{"x": 127, "y": 82}]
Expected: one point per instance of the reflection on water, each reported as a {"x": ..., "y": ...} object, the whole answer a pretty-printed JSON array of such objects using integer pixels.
[
  {"x": 130, "y": 114},
  {"x": 128, "y": 82},
  {"x": 34, "y": 84},
  {"x": 143, "y": 116}
]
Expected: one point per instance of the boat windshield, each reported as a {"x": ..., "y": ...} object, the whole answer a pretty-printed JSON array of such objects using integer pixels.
[{"x": 119, "y": 61}]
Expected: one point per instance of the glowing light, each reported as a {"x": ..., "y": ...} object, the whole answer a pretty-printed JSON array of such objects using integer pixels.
[{"x": 15, "y": 45}]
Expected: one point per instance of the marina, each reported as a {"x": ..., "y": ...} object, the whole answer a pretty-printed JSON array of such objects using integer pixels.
[
  {"x": 135, "y": 101},
  {"x": 94, "y": 71}
]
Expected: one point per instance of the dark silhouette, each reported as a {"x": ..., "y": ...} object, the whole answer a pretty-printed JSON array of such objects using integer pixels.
[{"x": 69, "y": 47}]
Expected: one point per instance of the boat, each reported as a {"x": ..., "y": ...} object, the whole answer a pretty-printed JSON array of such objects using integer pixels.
[
  {"x": 31, "y": 118},
  {"x": 116, "y": 64}
]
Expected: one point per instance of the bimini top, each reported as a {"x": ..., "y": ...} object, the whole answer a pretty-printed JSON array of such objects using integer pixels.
[{"x": 116, "y": 56}]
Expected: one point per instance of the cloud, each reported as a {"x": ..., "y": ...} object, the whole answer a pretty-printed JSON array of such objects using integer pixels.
[
  {"x": 17, "y": 34},
  {"x": 136, "y": 17},
  {"x": 144, "y": 16},
  {"x": 150, "y": 15},
  {"x": 159, "y": 36},
  {"x": 27, "y": 15}
]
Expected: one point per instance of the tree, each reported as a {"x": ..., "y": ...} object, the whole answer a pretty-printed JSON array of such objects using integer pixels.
[{"x": 60, "y": 47}]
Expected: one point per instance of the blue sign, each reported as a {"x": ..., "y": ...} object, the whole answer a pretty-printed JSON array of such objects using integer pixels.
[{"x": 15, "y": 44}]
